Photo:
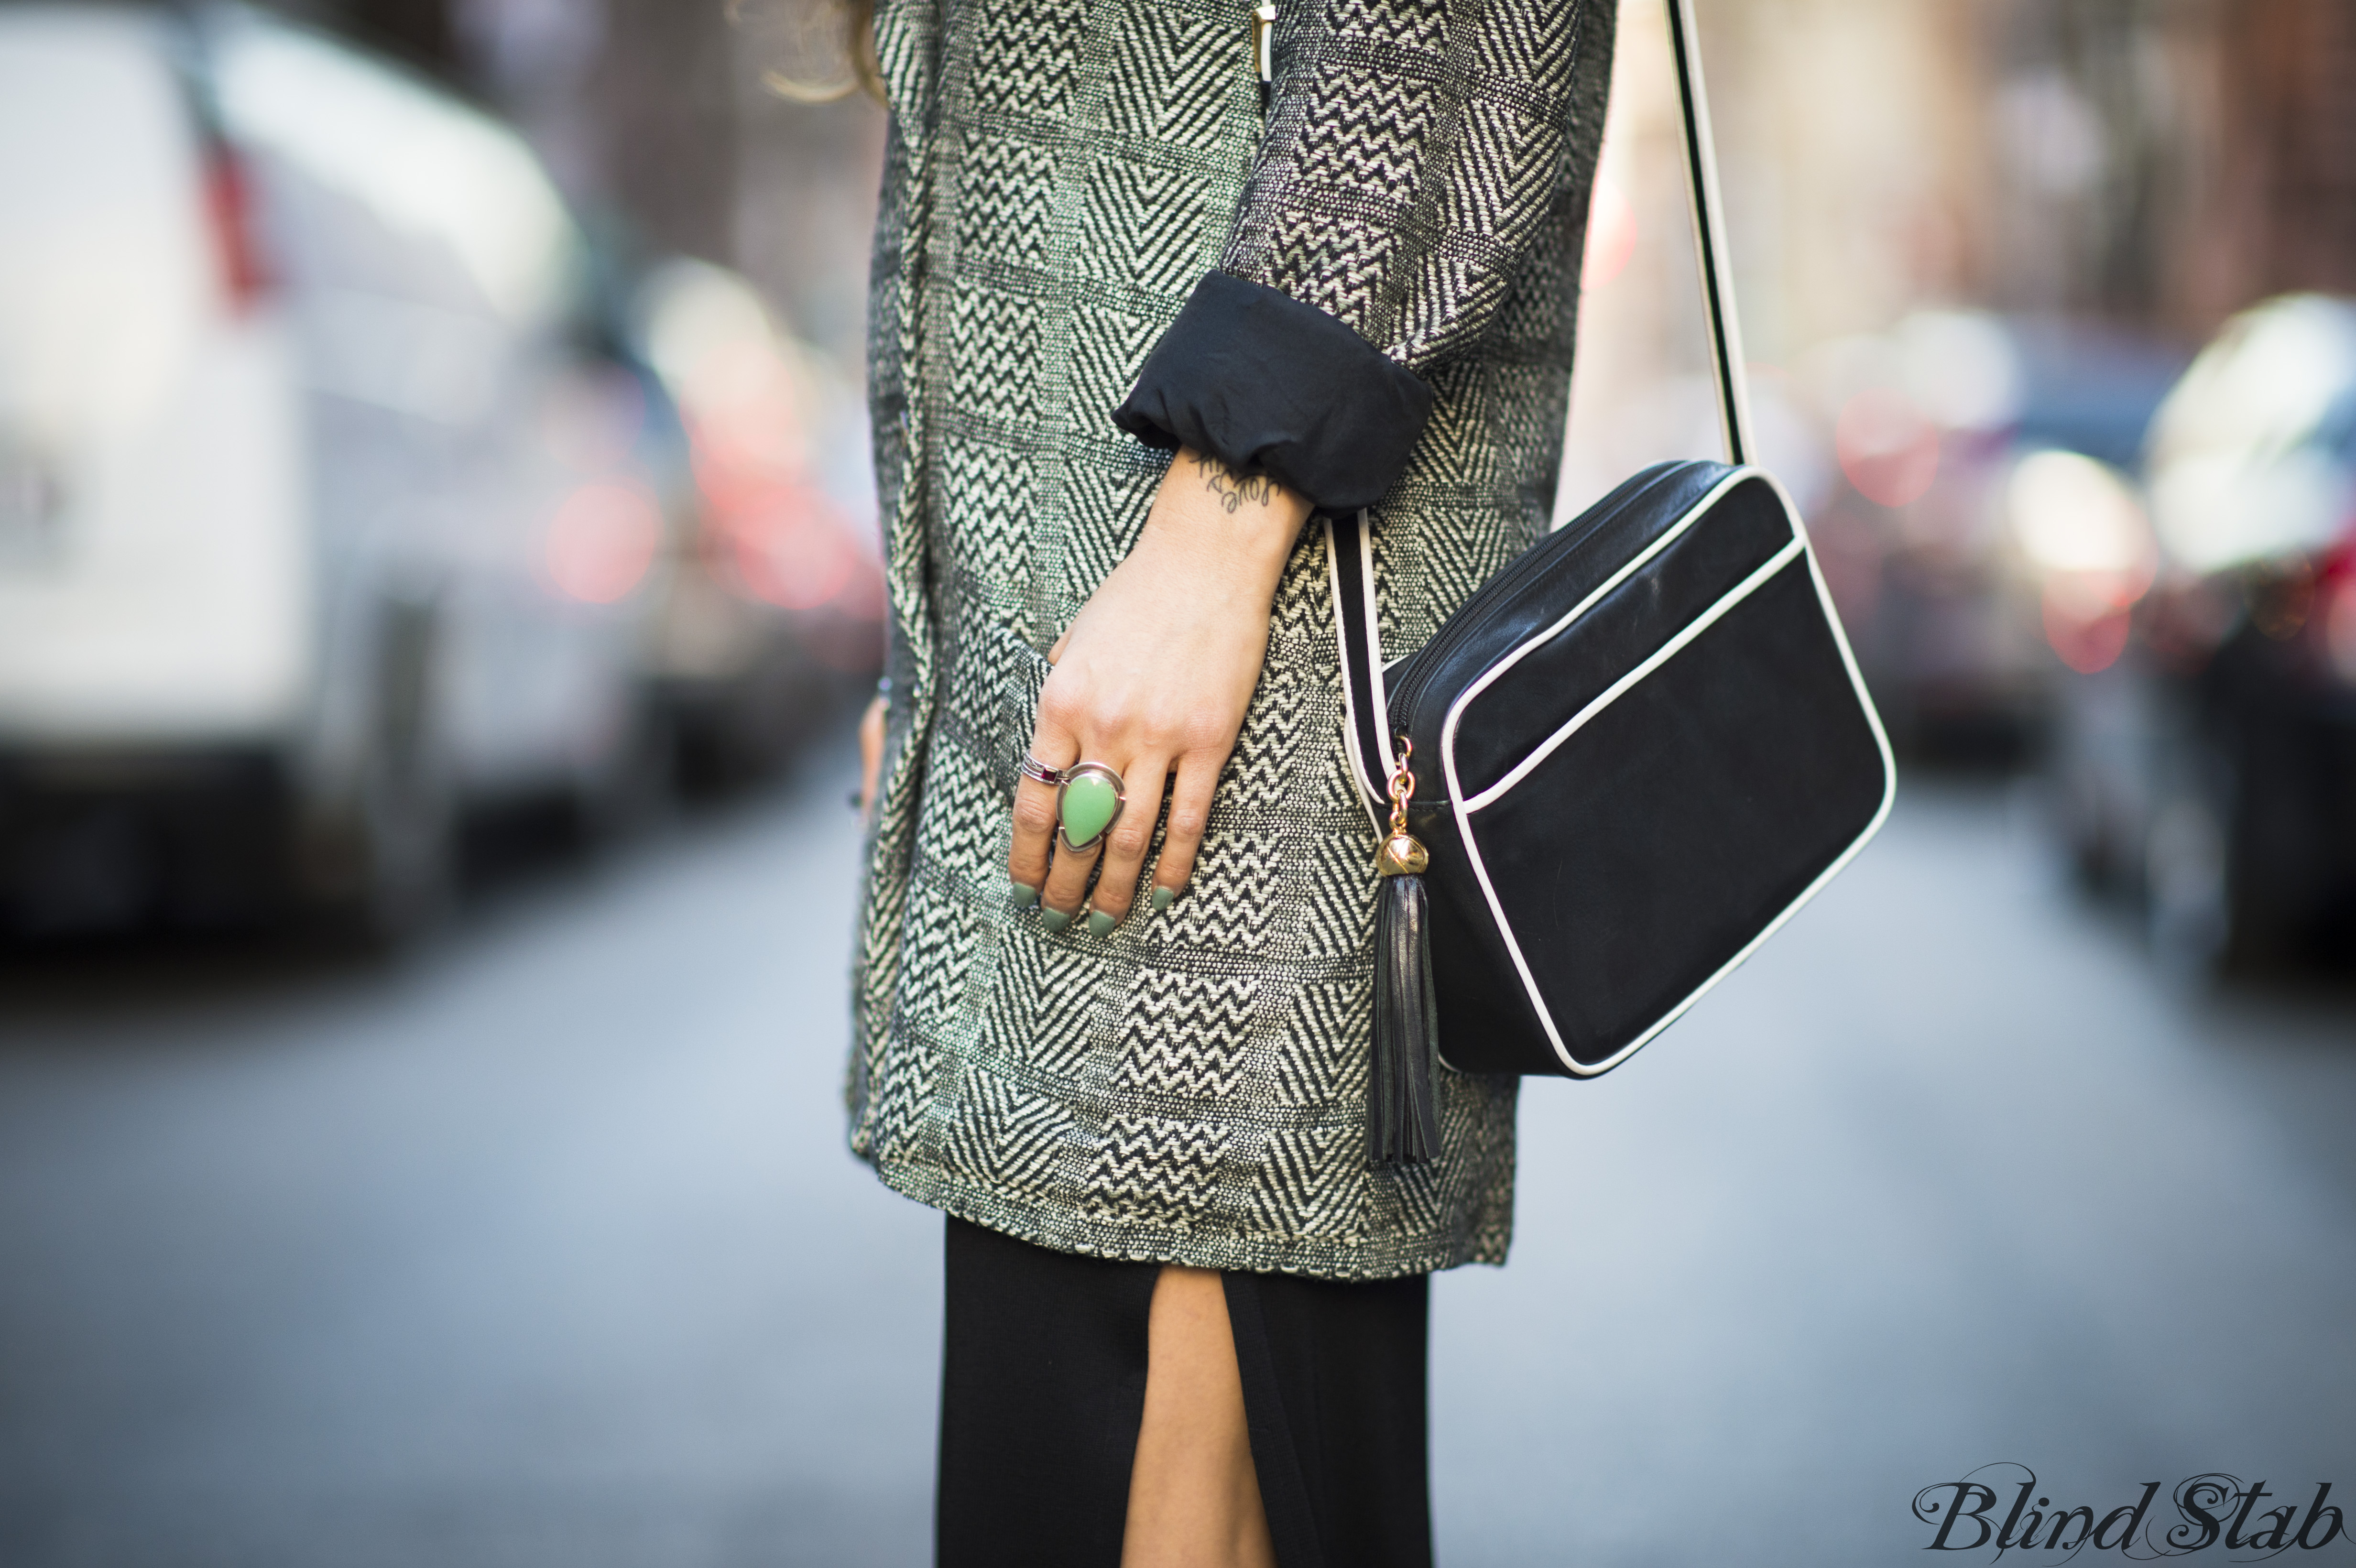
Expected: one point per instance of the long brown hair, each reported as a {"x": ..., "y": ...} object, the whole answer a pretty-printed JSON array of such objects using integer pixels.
[{"x": 850, "y": 26}]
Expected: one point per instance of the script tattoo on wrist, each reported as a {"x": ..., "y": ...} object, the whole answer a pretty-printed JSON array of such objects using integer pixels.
[{"x": 1234, "y": 489}]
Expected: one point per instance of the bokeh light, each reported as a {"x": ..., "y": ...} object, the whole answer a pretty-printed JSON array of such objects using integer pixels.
[
  {"x": 2075, "y": 515},
  {"x": 1962, "y": 369},
  {"x": 2079, "y": 523},
  {"x": 228, "y": 209},
  {"x": 1611, "y": 234},
  {"x": 2245, "y": 462},
  {"x": 603, "y": 540},
  {"x": 1886, "y": 447},
  {"x": 2088, "y": 644},
  {"x": 791, "y": 549},
  {"x": 760, "y": 411},
  {"x": 2340, "y": 628}
]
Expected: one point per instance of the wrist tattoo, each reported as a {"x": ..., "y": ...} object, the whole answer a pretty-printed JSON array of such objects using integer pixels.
[{"x": 1234, "y": 489}]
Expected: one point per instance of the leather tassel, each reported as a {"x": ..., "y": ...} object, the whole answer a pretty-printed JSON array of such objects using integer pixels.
[
  {"x": 1402, "y": 1122},
  {"x": 1402, "y": 1118}
]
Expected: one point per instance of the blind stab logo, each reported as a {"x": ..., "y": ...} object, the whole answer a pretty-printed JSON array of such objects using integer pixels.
[{"x": 1973, "y": 1514}]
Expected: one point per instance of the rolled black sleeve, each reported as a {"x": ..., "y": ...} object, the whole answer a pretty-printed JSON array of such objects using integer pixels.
[{"x": 1255, "y": 378}]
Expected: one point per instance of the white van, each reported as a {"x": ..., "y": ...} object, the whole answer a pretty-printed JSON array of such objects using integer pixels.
[{"x": 319, "y": 520}]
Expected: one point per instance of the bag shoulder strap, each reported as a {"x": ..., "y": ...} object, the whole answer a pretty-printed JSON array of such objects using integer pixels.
[
  {"x": 1365, "y": 699},
  {"x": 1709, "y": 236},
  {"x": 1348, "y": 544}
]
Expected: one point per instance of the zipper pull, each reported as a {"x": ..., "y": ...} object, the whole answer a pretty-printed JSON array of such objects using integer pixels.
[
  {"x": 1401, "y": 855},
  {"x": 1263, "y": 48}
]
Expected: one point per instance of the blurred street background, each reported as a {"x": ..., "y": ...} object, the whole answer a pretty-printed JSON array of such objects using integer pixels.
[{"x": 438, "y": 572}]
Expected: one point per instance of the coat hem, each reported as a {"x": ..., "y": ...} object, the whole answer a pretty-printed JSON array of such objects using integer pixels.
[{"x": 1060, "y": 1230}]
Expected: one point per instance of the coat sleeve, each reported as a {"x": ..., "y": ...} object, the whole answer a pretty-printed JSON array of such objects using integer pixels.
[{"x": 1413, "y": 152}]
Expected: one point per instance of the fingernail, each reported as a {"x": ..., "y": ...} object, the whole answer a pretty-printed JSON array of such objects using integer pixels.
[
  {"x": 1025, "y": 895},
  {"x": 1053, "y": 918},
  {"x": 1100, "y": 923},
  {"x": 1162, "y": 899}
]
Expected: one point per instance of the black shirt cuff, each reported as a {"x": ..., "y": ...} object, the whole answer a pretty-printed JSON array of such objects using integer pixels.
[{"x": 1253, "y": 376}]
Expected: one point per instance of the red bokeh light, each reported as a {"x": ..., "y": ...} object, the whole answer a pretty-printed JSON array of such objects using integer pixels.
[
  {"x": 1889, "y": 452},
  {"x": 603, "y": 540},
  {"x": 2087, "y": 620},
  {"x": 1610, "y": 235},
  {"x": 791, "y": 545},
  {"x": 2340, "y": 628},
  {"x": 790, "y": 548},
  {"x": 230, "y": 213}
]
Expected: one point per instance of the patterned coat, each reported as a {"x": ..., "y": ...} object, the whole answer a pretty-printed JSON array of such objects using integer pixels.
[{"x": 1059, "y": 175}]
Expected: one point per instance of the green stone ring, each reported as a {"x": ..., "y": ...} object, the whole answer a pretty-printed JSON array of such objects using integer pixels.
[{"x": 1087, "y": 803}]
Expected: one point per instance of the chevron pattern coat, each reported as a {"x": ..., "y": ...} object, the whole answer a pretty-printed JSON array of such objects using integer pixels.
[{"x": 1060, "y": 173}]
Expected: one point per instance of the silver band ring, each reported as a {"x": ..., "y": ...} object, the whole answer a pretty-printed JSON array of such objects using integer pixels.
[
  {"x": 1039, "y": 771},
  {"x": 1079, "y": 772}
]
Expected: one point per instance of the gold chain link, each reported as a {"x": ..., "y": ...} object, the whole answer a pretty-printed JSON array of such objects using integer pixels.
[{"x": 1402, "y": 786}]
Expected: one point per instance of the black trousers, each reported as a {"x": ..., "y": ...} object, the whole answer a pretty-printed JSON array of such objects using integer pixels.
[{"x": 1042, "y": 1387}]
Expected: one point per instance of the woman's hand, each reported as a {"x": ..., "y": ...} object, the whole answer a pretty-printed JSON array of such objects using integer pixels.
[{"x": 1151, "y": 678}]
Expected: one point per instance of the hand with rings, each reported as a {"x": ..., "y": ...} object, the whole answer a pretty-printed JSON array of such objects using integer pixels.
[{"x": 1150, "y": 680}]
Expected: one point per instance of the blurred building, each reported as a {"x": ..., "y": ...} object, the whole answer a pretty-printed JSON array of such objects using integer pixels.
[
  {"x": 2167, "y": 165},
  {"x": 2152, "y": 164}
]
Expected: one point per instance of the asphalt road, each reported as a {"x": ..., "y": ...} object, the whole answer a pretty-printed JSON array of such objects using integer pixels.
[{"x": 542, "y": 1250}]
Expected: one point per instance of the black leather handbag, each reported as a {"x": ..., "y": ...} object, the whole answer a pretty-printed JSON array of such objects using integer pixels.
[{"x": 1618, "y": 769}]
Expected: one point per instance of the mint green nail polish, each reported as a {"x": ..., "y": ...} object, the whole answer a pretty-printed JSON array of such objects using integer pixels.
[
  {"x": 1100, "y": 923},
  {"x": 1162, "y": 899},
  {"x": 1053, "y": 918},
  {"x": 1025, "y": 895}
]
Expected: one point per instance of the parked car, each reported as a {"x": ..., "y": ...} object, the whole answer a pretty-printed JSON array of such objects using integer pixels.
[
  {"x": 323, "y": 520},
  {"x": 2205, "y": 734}
]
